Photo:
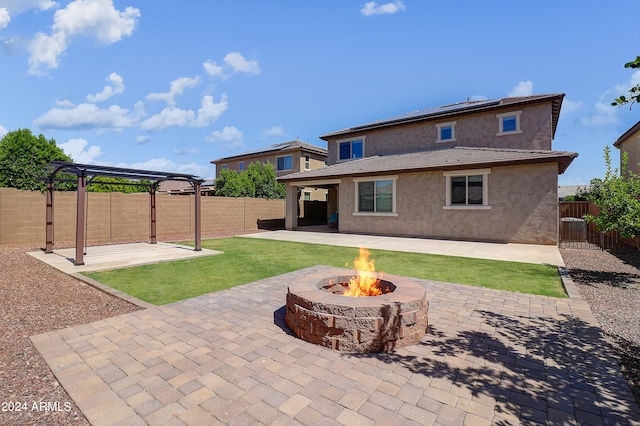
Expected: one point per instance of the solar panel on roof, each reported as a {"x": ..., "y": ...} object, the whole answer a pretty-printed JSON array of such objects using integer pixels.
[{"x": 431, "y": 111}]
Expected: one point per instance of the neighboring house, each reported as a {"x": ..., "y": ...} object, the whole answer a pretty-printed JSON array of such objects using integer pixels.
[
  {"x": 475, "y": 170},
  {"x": 287, "y": 157},
  {"x": 629, "y": 142},
  {"x": 568, "y": 191},
  {"x": 176, "y": 187}
]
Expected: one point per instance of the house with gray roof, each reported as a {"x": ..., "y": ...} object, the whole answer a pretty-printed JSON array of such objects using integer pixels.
[
  {"x": 287, "y": 157},
  {"x": 476, "y": 170}
]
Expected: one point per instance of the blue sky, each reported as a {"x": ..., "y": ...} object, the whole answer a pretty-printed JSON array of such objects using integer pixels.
[{"x": 173, "y": 85}]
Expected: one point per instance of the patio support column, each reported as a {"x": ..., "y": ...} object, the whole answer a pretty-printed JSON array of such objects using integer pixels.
[
  {"x": 49, "y": 219},
  {"x": 198, "y": 218},
  {"x": 291, "y": 208},
  {"x": 80, "y": 217},
  {"x": 152, "y": 195}
]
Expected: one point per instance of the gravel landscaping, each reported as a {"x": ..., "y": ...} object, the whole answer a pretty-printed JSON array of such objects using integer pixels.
[
  {"x": 610, "y": 283},
  {"x": 35, "y": 298}
]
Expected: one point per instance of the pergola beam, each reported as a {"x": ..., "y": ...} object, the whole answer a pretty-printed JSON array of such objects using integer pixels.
[{"x": 87, "y": 172}]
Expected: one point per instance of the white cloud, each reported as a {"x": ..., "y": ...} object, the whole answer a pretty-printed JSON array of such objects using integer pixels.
[
  {"x": 3, "y": 131},
  {"x": 239, "y": 64},
  {"x": 569, "y": 107},
  {"x": 176, "y": 88},
  {"x": 142, "y": 139},
  {"x": 524, "y": 88},
  {"x": 96, "y": 19},
  {"x": 274, "y": 131},
  {"x": 603, "y": 115},
  {"x": 168, "y": 117},
  {"x": 86, "y": 116},
  {"x": 162, "y": 164},
  {"x": 116, "y": 87},
  {"x": 229, "y": 138},
  {"x": 186, "y": 151},
  {"x": 209, "y": 111},
  {"x": 5, "y": 18},
  {"x": 15, "y": 7},
  {"x": 76, "y": 149},
  {"x": 212, "y": 68},
  {"x": 176, "y": 117},
  {"x": 372, "y": 8},
  {"x": 233, "y": 62}
]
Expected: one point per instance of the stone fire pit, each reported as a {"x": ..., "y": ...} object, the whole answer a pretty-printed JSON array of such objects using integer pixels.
[{"x": 317, "y": 313}]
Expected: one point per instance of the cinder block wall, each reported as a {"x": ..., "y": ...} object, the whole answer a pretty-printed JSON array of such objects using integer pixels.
[{"x": 117, "y": 216}]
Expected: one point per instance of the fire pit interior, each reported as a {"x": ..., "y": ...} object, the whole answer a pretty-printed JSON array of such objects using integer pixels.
[{"x": 318, "y": 311}]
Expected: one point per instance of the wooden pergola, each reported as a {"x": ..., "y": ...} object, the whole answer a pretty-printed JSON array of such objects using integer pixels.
[{"x": 86, "y": 175}]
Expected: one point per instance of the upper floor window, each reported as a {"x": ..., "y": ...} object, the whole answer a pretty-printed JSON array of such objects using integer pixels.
[
  {"x": 285, "y": 163},
  {"x": 446, "y": 132},
  {"x": 241, "y": 165},
  {"x": 509, "y": 123},
  {"x": 307, "y": 162},
  {"x": 349, "y": 149},
  {"x": 467, "y": 188},
  {"x": 376, "y": 195}
]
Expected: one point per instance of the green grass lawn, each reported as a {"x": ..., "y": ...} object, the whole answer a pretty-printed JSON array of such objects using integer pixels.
[{"x": 246, "y": 260}]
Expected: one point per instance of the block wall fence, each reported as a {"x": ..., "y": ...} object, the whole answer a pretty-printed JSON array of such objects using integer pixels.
[{"x": 116, "y": 216}]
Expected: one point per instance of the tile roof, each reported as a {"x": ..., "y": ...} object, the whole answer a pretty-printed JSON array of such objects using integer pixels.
[
  {"x": 455, "y": 158},
  {"x": 278, "y": 147},
  {"x": 456, "y": 109}
]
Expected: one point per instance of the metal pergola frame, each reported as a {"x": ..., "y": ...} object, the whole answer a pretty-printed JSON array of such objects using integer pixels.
[{"x": 86, "y": 173}]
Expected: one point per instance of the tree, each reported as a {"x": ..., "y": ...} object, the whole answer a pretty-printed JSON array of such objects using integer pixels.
[
  {"x": 618, "y": 198},
  {"x": 23, "y": 156},
  {"x": 634, "y": 92},
  {"x": 258, "y": 181},
  {"x": 112, "y": 184}
]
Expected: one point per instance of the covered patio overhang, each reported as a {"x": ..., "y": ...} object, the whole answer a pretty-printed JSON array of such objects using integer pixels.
[
  {"x": 86, "y": 174},
  {"x": 291, "y": 202}
]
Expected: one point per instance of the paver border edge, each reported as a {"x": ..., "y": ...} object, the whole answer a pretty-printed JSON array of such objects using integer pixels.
[{"x": 112, "y": 291}]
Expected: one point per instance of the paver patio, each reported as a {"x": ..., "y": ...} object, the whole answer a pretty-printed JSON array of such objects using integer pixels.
[{"x": 490, "y": 357}]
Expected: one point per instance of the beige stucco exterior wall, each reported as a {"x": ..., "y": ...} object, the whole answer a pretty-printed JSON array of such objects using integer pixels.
[
  {"x": 116, "y": 216},
  {"x": 631, "y": 146},
  {"x": 523, "y": 203},
  {"x": 474, "y": 130}
]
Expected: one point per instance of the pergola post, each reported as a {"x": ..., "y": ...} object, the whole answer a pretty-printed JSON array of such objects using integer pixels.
[
  {"x": 49, "y": 218},
  {"x": 80, "y": 218},
  {"x": 198, "y": 219},
  {"x": 152, "y": 194}
]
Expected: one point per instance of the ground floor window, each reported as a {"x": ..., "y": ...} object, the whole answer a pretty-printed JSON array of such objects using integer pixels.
[
  {"x": 377, "y": 195},
  {"x": 467, "y": 188}
]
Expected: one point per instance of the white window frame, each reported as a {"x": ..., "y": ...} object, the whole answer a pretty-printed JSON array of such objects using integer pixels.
[
  {"x": 241, "y": 166},
  {"x": 485, "y": 189},
  {"x": 307, "y": 162},
  {"x": 284, "y": 156},
  {"x": 501, "y": 118},
  {"x": 451, "y": 124},
  {"x": 392, "y": 213},
  {"x": 351, "y": 140}
]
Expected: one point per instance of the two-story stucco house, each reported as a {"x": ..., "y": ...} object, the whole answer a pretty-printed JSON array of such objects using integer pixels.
[
  {"x": 476, "y": 170},
  {"x": 629, "y": 143},
  {"x": 287, "y": 157}
]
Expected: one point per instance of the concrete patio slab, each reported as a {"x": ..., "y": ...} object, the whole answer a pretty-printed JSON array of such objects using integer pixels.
[
  {"x": 99, "y": 258},
  {"x": 529, "y": 253},
  {"x": 489, "y": 357}
]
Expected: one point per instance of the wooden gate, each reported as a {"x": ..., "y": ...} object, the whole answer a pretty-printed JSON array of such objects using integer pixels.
[{"x": 575, "y": 232}]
